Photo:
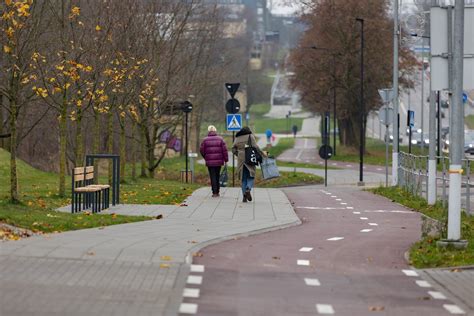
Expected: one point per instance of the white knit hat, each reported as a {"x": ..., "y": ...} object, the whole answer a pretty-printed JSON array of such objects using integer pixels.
[{"x": 212, "y": 128}]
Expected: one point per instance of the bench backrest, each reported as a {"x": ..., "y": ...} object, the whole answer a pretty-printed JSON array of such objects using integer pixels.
[{"x": 82, "y": 176}]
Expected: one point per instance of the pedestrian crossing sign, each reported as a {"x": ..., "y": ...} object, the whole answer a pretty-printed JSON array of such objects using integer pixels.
[{"x": 234, "y": 122}]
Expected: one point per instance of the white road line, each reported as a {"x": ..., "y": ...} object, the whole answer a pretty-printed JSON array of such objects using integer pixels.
[
  {"x": 320, "y": 208},
  {"x": 437, "y": 295},
  {"x": 453, "y": 309},
  {"x": 333, "y": 196},
  {"x": 343, "y": 203},
  {"x": 194, "y": 279},
  {"x": 312, "y": 282},
  {"x": 350, "y": 208},
  {"x": 373, "y": 224},
  {"x": 197, "y": 268},
  {"x": 335, "y": 238},
  {"x": 356, "y": 213},
  {"x": 306, "y": 249},
  {"x": 324, "y": 309},
  {"x": 302, "y": 262},
  {"x": 422, "y": 283},
  {"x": 379, "y": 169},
  {"x": 410, "y": 272},
  {"x": 191, "y": 293},
  {"x": 363, "y": 218},
  {"x": 349, "y": 166},
  {"x": 367, "y": 230},
  {"x": 338, "y": 199},
  {"x": 334, "y": 164},
  {"x": 188, "y": 308}
]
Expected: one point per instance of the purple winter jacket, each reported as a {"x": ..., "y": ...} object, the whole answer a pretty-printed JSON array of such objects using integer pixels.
[{"x": 214, "y": 150}]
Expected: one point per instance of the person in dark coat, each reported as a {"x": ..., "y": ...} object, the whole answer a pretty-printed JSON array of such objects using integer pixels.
[
  {"x": 246, "y": 172},
  {"x": 214, "y": 151}
]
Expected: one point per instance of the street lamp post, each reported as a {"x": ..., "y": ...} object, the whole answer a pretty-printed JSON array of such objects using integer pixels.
[
  {"x": 362, "y": 105},
  {"x": 333, "y": 91},
  {"x": 186, "y": 107}
]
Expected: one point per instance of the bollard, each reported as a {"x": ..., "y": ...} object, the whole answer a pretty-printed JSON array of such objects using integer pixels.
[{"x": 192, "y": 157}]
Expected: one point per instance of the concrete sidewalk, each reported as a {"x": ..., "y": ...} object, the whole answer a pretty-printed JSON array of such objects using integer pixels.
[{"x": 130, "y": 269}]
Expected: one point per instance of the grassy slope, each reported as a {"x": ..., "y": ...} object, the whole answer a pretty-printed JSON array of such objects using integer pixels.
[
  {"x": 39, "y": 198},
  {"x": 425, "y": 253},
  {"x": 469, "y": 121}
]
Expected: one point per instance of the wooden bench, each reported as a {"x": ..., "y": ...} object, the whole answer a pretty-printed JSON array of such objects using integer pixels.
[{"x": 87, "y": 194}]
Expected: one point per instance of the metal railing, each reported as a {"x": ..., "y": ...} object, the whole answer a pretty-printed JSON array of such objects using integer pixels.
[{"x": 413, "y": 177}]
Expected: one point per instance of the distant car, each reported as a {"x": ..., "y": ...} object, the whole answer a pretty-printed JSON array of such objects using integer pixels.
[
  {"x": 390, "y": 139},
  {"x": 416, "y": 138},
  {"x": 469, "y": 143}
]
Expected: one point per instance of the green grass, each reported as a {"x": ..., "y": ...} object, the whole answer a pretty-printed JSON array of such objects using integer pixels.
[
  {"x": 375, "y": 152},
  {"x": 282, "y": 145},
  {"x": 469, "y": 121},
  {"x": 425, "y": 253},
  {"x": 259, "y": 110},
  {"x": 39, "y": 199},
  {"x": 280, "y": 126}
]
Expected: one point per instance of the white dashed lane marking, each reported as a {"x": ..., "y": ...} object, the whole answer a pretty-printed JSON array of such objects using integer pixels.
[
  {"x": 343, "y": 203},
  {"x": 437, "y": 295},
  {"x": 312, "y": 282},
  {"x": 324, "y": 309},
  {"x": 188, "y": 308},
  {"x": 453, "y": 309},
  {"x": 194, "y": 279},
  {"x": 335, "y": 238},
  {"x": 422, "y": 283},
  {"x": 356, "y": 213},
  {"x": 191, "y": 293},
  {"x": 410, "y": 272},
  {"x": 306, "y": 249},
  {"x": 350, "y": 208},
  {"x": 302, "y": 262},
  {"x": 364, "y": 218},
  {"x": 333, "y": 196},
  {"x": 367, "y": 230},
  {"x": 197, "y": 268},
  {"x": 373, "y": 224},
  {"x": 338, "y": 199}
]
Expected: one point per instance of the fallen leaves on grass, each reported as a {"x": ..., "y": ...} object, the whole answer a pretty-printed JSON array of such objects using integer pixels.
[
  {"x": 166, "y": 258},
  {"x": 113, "y": 215},
  {"x": 197, "y": 254},
  {"x": 164, "y": 265}
]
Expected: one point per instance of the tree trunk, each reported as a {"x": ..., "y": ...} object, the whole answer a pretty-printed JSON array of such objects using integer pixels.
[
  {"x": 13, "y": 169},
  {"x": 122, "y": 151},
  {"x": 143, "y": 152},
  {"x": 62, "y": 149},
  {"x": 2, "y": 129},
  {"x": 134, "y": 152},
  {"x": 79, "y": 156},
  {"x": 110, "y": 141}
]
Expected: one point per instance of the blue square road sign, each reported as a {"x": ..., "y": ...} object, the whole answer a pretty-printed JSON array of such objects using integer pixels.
[{"x": 234, "y": 122}]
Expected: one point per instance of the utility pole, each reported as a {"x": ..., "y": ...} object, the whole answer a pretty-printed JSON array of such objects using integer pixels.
[
  {"x": 362, "y": 105},
  {"x": 422, "y": 93},
  {"x": 457, "y": 127},
  {"x": 395, "y": 94}
]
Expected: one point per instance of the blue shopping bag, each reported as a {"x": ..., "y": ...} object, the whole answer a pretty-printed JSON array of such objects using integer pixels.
[{"x": 269, "y": 168}]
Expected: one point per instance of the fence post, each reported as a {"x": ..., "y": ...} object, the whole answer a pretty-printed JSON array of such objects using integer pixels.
[
  {"x": 444, "y": 180},
  {"x": 468, "y": 187}
]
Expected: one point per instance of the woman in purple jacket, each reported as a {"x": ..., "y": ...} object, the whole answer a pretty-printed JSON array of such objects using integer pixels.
[{"x": 214, "y": 152}]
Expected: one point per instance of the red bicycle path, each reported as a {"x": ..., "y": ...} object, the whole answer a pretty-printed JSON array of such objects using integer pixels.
[{"x": 362, "y": 274}]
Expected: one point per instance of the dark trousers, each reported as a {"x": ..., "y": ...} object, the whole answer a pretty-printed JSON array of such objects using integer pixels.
[{"x": 214, "y": 174}]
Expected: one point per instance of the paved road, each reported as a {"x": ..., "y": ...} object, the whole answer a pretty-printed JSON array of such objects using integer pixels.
[
  {"x": 132, "y": 269},
  {"x": 346, "y": 259}
]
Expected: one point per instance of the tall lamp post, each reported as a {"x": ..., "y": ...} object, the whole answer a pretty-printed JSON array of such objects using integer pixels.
[
  {"x": 186, "y": 107},
  {"x": 333, "y": 92},
  {"x": 362, "y": 105}
]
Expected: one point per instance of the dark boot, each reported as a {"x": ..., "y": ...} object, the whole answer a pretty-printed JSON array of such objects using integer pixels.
[
  {"x": 247, "y": 195},
  {"x": 244, "y": 199}
]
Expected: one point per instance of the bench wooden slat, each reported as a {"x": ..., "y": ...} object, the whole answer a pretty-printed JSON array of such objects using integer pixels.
[
  {"x": 79, "y": 177},
  {"x": 89, "y": 169},
  {"x": 78, "y": 170}
]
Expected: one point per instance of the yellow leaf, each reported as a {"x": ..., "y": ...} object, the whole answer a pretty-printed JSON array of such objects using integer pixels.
[
  {"x": 8, "y": 2},
  {"x": 97, "y": 28},
  {"x": 165, "y": 258},
  {"x": 164, "y": 265},
  {"x": 7, "y": 49}
]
